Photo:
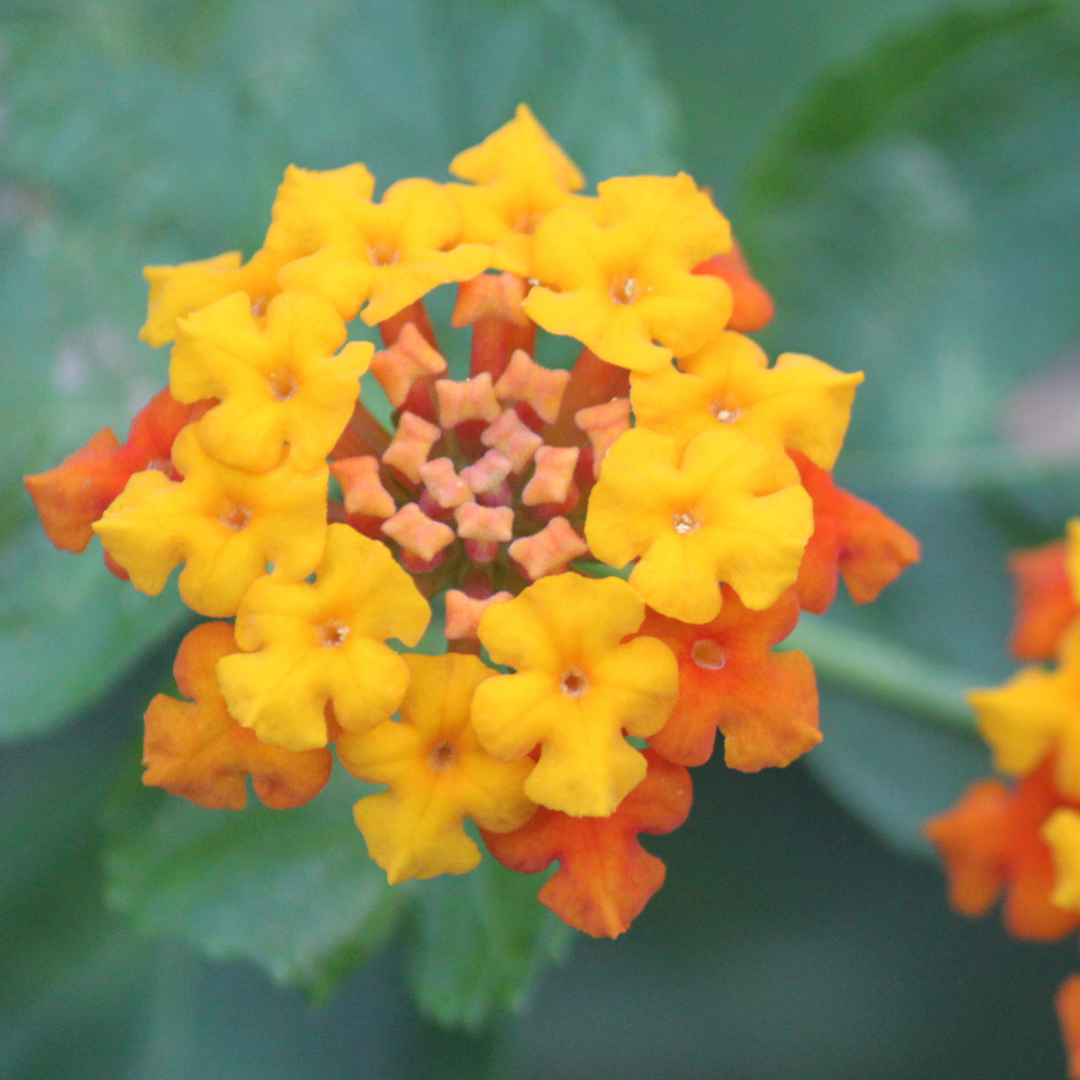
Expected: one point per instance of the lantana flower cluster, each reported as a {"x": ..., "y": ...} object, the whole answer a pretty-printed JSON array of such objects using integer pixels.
[
  {"x": 1019, "y": 838},
  {"x": 618, "y": 547}
]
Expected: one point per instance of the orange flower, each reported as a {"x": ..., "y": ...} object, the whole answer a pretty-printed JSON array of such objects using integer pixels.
[
  {"x": 991, "y": 840},
  {"x": 605, "y": 877},
  {"x": 851, "y": 537},
  {"x": 1044, "y": 600},
  {"x": 764, "y": 703},
  {"x": 197, "y": 750},
  {"x": 1067, "y": 1004},
  {"x": 752, "y": 306},
  {"x": 71, "y": 497}
]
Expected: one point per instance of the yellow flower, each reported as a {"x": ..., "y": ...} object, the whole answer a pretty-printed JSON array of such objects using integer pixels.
[
  {"x": 176, "y": 291},
  {"x": 276, "y": 377},
  {"x": 731, "y": 511},
  {"x": 522, "y": 174},
  {"x": 388, "y": 254},
  {"x": 618, "y": 278},
  {"x": 1035, "y": 712},
  {"x": 437, "y": 774},
  {"x": 800, "y": 404},
  {"x": 307, "y": 644},
  {"x": 1062, "y": 833},
  {"x": 225, "y": 524},
  {"x": 576, "y": 691}
]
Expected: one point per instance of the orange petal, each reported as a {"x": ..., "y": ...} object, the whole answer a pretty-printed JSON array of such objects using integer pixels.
[
  {"x": 71, "y": 497},
  {"x": 764, "y": 703},
  {"x": 992, "y": 840},
  {"x": 752, "y": 305},
  {"x": 1044, "y": 600},
  {"x": 605, "y": 877},
  {"x": 851, "y": 537},
  {"x": 197, "y": 750},
  {"x": 1067, "y": 1004}
]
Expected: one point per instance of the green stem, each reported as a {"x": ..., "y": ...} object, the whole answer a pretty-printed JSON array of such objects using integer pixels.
[{"x": 863, "y": 663}]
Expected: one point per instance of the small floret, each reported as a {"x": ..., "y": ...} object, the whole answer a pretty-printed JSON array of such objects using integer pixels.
[
  {"x": 437, "y": 774},
  {"x": 1045, "y": 604},
  {"x": 852, "y": 538},
  {"x": 386, "y": 254},
  {"x": 730, "y": 511},
  {"x": 276, "y": 376},
  {"x": 1036, "y": 712},
  {"x": 224, "y": 524},
  {"x": 618, "y": 277},
  {"x": 522, "y": 174},
  {"x": 71, "y": 497},
  {"x": 578, "y": 688},
  {"x": 309, "y": 644},
  {"x": 992, "y": 841},
  {"x": 176, "y": 291},
  {"x": 605, "y": 877},
  {"x": 798, "y": 404},
  {"x": 197, "y": 750},
  {"x": 765, "y": 703}
]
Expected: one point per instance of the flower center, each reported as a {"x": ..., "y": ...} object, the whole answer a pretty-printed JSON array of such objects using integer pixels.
[
  {"x": 624, "y": 290},
  {"x": 707, "y": 654},
  {"x": 685, "y": 523},
  {"x": 442, "y": 755},
  {"x": 384, "y": 255},
  {"x": 333, "y": 634},
  {"x": 283, "y": 385},
  {"x": 573, "y": 683},
  {"x": 236, "y": 518},
  {"x": 526, "y": 223},
  {"x": 722, "y": 413},
  {"x": 258, "y": 306}
]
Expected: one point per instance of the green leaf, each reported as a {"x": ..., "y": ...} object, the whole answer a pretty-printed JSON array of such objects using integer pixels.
[
  {"x": 291, "y": 890},
  {"x": 909, "y": 223},
  {"x": 137, "y": 136},
  {"x": 480, "y": 942}
]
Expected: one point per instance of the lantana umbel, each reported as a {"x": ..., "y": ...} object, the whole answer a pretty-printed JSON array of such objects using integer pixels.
[
  {"x": 627, "y": 539},
  {"x": 1020, "y": 837}
]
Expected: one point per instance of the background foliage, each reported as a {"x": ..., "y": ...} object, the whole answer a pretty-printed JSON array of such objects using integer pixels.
[{"x": 905, "y": 178}]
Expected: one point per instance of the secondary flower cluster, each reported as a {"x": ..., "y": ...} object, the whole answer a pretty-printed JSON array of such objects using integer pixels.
[
  {"x": 1022, "y": 838},
  {"x": 563, "y": 715}
]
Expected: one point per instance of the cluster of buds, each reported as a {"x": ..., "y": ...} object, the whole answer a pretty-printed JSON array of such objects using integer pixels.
[
  {"x": 618, "y": 547},
  {"x": 1021, "y": 838}
]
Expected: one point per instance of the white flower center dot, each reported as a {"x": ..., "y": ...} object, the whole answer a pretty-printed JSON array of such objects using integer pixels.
[
  {"x": 333, "y": 634},
  {"x": 722, "y": 413},
  {"x": 685, "y": 523},
  {"x": 624, "y": 290}
]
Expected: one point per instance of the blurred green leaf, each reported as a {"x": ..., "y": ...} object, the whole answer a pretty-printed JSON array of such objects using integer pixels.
[
  {"x": 909, "y": 221},
  {"x": 480, "y": 942},
  {"x": 136, "y": 134},
  {"x": 291, "y": 890}
]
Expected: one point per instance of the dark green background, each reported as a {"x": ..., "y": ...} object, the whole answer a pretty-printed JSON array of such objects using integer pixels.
[{"x": 906, "y": 178}]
